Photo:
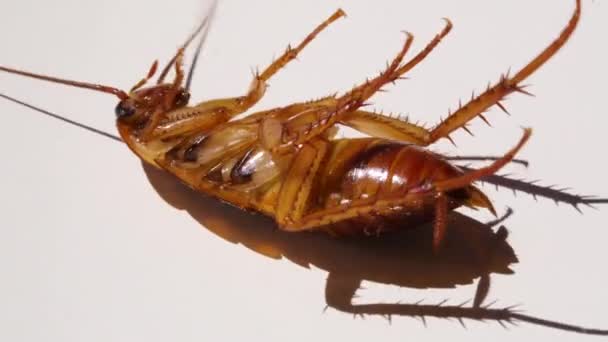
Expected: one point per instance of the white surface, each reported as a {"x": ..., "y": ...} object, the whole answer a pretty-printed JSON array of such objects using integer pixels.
[{"x": 90, "y": 252}]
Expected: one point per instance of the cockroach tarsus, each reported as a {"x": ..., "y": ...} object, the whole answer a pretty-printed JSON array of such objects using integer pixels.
[{"x": 286, "y": 162}]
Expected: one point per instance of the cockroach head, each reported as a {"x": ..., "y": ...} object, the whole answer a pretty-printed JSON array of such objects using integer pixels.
[{"x": 142, "y": 103}]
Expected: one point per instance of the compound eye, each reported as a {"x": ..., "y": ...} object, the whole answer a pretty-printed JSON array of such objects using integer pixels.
[
  {"x": 124, "y": 110},
  {"x": 182, "y": 98}
]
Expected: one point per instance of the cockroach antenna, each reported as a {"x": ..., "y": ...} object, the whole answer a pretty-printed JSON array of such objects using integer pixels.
[
  {"x": 202, "y": 27},
  {"x": 97, "y": 87},
  {"x": 199, "y": 48},
  {"x": 122, "y": 95},
  {"x": 61, "y": 118}
]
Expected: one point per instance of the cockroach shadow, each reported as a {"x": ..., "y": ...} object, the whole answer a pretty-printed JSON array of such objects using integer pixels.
[{"x": 472, "y": 250}]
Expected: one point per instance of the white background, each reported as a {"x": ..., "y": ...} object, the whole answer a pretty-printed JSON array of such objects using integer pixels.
[{"x": 90, "y": 252}]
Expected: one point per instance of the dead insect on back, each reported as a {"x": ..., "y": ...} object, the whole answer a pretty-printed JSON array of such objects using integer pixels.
[{"x": 286, "y": 162}]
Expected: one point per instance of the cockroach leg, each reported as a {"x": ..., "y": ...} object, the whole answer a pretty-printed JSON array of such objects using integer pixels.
[
  {"x": 394, "y": 128},
  {"x": 295, "y": 191},
  {"x": 222, "y": 110},
  {"x": 365, "y": 91},
  {"x": 160, "y": 113},
  {"x": 258, "y": 85},
  {"x": 348, "y": 102},
  {"x": 441, "y": 220},
  {"x": 403, "y": 131},
  {"x": 386, "y": 127},
  {"x": 347, "y": 112},
  {"x": 145, "y": 80},
  {"x": 292, "y": 53},
  {"x": 505, "y": 86},
  {"x": 179, "y": 69},
  {"x": 470, "y": 177},
  {"x": 425, "y": 52}
]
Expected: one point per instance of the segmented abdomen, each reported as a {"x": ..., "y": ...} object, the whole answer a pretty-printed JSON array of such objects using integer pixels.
[
  {"x": 364, "y": 168},
  {"x": 364, "y": 176}
]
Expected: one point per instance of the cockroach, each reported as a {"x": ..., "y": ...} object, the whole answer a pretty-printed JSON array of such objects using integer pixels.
[{"x": 287, "y": 162}]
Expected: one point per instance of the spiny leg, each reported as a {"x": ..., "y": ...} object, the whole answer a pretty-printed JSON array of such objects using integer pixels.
[
  {"x": 258, "y": 86},
  {"x": 392, "y": 128},
  {"x": 193, "y": 118},
  {"x": 470, "y": 177},
  {"x": 160, "y": 113},
  {"x": 368, "y": 89},
  {"x": 383, "y": 126},
  {"x": 355, "y": 98},
  {"x": 401, "y": 129},
  {"x": 441, "y": 220},
  {"x": 425, "y": 52},
  {"x": 294, "y": 193},
  {"x": 505, "y": 86},
  {"x": 351, "y": 101}
]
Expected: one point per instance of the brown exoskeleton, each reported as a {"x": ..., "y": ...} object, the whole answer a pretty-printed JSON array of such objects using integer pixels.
[{"x": 287, "y": 164}]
